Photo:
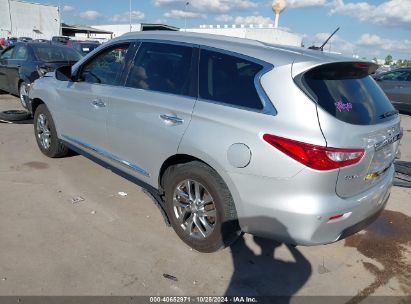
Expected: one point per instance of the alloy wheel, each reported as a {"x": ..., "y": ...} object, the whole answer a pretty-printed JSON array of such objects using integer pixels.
[
  {"x": 23, "y": 95},
  {"x": 43, "y": 131},
  {"x": 194, "y": 209}
]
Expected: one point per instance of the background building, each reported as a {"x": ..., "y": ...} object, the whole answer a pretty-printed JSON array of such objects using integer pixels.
[
  {"x": 268, "y": 34},
  {"x": 117, "y": 30},
  {"x": 23, "y": 19}
]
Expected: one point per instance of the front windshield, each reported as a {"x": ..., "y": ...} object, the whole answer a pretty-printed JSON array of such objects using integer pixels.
[{"x": 52, "y": 53}]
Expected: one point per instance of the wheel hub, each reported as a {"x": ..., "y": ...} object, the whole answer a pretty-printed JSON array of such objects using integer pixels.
[
  {"x": 194, "y": 209},
  {"x": 43, "y": 131}
]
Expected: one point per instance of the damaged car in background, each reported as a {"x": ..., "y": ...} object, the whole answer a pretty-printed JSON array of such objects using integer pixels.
[{"x": 24, "y": 62}]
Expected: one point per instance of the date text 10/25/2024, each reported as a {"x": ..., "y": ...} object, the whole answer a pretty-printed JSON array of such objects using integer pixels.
[{"x": 203, "y": 299}]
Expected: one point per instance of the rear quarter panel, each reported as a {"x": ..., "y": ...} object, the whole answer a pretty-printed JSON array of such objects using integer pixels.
[{"x": 215, "y": 127}]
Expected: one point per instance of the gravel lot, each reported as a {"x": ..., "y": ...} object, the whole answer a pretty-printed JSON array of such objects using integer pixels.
[{"x": 110, "y": 244}]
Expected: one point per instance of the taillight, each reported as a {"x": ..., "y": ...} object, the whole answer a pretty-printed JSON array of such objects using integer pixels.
[{"x": 313, "y": 156}]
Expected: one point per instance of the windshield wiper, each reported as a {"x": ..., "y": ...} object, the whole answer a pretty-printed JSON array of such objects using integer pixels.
[{"x": 388, "y": 114}]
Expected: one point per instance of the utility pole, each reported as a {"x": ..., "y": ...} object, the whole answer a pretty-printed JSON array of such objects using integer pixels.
[
  {"x": 130, "y": 13},
  {"x": 185, "y": 16},
  {"x": 60, "y": 13},
  {"x": 11, "y": 20}
]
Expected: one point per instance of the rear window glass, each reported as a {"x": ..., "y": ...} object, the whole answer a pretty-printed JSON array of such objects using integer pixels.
[
  {"x": 229, "y": 79},
  {"x": 50, "y": 53},
  {"x": 347, "y": 92}
]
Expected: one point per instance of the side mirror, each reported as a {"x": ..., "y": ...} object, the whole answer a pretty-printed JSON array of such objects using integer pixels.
[{"x": 63, "y": 73}]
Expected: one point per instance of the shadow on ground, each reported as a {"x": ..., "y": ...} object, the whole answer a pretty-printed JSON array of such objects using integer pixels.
[{"x": 265, "y": 274}]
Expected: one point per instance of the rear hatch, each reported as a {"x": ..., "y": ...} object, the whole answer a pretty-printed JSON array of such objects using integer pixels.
[{"x": 354, "y": 112}]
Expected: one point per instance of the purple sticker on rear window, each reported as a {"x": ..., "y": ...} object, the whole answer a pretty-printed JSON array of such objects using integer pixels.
[{"x": 341, "y": 106}]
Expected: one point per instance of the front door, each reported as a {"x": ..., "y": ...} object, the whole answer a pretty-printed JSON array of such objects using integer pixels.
[
  {"x": 85, "y": 101},
  {"x": 148, "y": 118},
  {"x": 4, "y": 61},
  {"x": 17, "y": 61}
]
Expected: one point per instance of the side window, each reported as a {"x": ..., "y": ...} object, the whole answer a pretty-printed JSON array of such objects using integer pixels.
[
  {"x": 396, "y": 76},
  {"x": 7, "y": 54},
  {"x": 20, "y": 53},
  {"x": 106, "y": 67},
  {"x": 161, "y": 67},
  {"x": 229, "y": 79}
]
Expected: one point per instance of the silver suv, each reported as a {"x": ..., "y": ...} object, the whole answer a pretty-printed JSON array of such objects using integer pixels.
[{"x": 229, "y": 135}]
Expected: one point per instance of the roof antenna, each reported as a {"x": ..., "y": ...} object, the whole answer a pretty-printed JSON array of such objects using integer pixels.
[{"x": 321, "y": 48}]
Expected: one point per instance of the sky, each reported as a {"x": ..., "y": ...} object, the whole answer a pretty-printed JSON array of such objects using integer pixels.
[{"x": 370, "y": 29}]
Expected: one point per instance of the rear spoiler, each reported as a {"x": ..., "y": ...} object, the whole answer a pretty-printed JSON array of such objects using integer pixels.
[
  {"x": 342, "y": 70},
  {"x": 332, "y": 67}
]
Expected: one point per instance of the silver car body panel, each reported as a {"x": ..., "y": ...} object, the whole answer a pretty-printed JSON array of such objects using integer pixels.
[{"x": 129, "y": 132}]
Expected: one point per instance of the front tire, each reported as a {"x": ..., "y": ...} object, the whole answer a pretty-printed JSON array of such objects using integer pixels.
[
  {"x": 46, "y": 134},
  {"x": 23, "y": 95},
  {"x": 200, "y": 207}
]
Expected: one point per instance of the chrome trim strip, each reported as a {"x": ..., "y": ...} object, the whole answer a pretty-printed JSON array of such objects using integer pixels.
[{"x": 107, "y": 155}]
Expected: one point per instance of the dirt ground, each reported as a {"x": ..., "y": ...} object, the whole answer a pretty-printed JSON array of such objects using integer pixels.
[{"x": 110, "y": 244}]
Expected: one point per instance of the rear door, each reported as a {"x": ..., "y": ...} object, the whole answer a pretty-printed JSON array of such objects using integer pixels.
[
  {"x": 354, "y": 113},
  {"x": 148, "y": 117}
]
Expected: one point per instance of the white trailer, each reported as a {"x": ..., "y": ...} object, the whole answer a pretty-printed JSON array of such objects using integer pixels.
[{"x": 25, "y": 19}]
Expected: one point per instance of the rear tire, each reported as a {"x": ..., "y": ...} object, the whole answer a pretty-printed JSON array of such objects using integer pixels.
[
  {"x": 46, "y": 134},
  {"x": 200, "y": 207}
]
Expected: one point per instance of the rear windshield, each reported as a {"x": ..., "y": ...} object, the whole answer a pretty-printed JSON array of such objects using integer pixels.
[
  {"x": 52, "y": 53},
  {"x": 346, "y": 91}
]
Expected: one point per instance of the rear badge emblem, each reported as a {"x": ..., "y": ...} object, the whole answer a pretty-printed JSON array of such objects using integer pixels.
[{"x": 382, "y": 144}]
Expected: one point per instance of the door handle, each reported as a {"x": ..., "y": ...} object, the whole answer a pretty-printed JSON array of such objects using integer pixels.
[
  {"x": 171, "y": 119},
  {"x": 98, "y": 103}
]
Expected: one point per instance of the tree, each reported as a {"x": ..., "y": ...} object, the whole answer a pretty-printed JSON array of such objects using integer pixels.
[
  {"x": 388, "y": 60},
  {"x": 400, "y": 62}
]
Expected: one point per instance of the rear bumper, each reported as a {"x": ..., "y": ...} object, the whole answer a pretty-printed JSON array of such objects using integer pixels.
[
  {"x": 298, "y": 213},
  {"x": 364, "y": 223}
]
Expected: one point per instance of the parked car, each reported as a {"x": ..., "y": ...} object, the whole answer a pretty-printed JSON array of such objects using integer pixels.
[
  {"x": 2, "y": 43},
  {"x": 24, "y": 39},
  {"x": 11, "y": 41},
  {"x": 83, "y": 47},
  {"x": 229, "y": 135},
  {"x": 397, "y": 85},
  {"x": 22, "y": 63},
  {"x": 41, "y": 40},
  {"x": 60, "y": 39}
]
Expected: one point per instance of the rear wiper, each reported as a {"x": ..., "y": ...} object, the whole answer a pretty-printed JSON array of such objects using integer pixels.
[{"x": 388, "y": 114}]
